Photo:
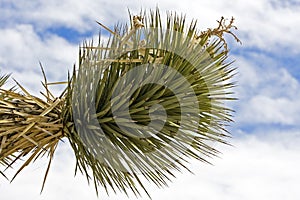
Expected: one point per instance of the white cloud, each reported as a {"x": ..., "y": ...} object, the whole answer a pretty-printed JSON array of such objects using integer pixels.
[
  {"x": 266, "y": 110},
  {"x": 264, "y": 166},
  {"x": 22, "y": 49},
  {"x": 78, "y": 15},
  {"x": 257, "y": 20},
  {"x": 268, "y": 93},
  {"x": 266, "y": 24},
  {"x": 259, "y": 167}
]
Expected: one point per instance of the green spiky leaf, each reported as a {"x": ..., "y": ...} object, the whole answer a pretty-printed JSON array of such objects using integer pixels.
[{"x": 147, "y": 100}]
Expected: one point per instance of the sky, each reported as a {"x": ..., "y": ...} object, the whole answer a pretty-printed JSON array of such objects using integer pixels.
[{"x": 263, "y": 162}]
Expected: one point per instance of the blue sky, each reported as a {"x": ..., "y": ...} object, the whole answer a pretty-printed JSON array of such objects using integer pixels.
[{"x": 264, "y": 162}]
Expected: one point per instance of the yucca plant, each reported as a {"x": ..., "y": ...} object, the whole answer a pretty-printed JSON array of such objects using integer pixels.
[{"x": 138, "y": 106}]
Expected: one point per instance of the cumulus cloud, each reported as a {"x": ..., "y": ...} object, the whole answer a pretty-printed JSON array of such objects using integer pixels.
[
  {"x": 268, "y": 93},
  {"x": 258, "y": 21},
  {"x": 261, "y": 166},
  {"x": 266, "y": 110},
  {"x": 22, "y": 49},
  {"x": 72, "y": 14},
  {"x": 266, "y": 24},
  {"x": 25, "y": 38}
]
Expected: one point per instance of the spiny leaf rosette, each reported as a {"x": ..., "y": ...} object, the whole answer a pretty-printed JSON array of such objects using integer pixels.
[{"x": 137, "y": 107}]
